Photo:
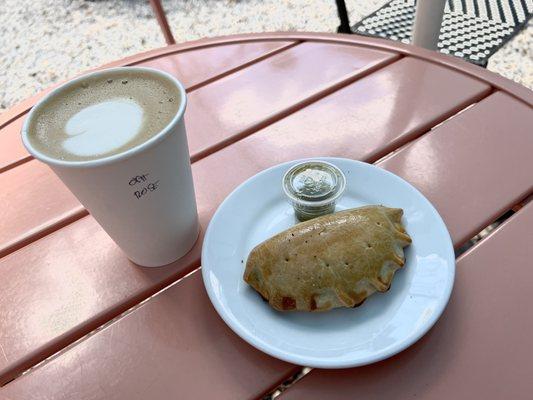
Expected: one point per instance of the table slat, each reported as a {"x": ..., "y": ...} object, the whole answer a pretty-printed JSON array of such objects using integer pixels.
[
  {"x": 475, "y": 166},
  {"x": 370, "y": 115},
  {"x": 101, "y": 264},
  {"x": 173, "y": 346},
  {"x": 252, "y": 98},
  {"x": 192, "y": 67},
  {"x": 195, "y": 68},
  {"x": 477, "y": 350},
  {"x": 32, "y": 201},
  {"x": 53, "y": 292},
  {"x": 12, "y": 152}
]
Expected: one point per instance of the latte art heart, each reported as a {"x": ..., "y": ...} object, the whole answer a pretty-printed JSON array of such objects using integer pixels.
[{"x": 103, "y": 127}]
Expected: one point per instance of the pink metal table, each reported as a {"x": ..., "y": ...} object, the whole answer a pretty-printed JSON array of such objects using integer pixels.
[{"x": 79, "y": 321}]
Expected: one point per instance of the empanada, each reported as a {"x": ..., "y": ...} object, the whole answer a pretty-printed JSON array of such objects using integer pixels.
[{"x": 336, "y": 260}]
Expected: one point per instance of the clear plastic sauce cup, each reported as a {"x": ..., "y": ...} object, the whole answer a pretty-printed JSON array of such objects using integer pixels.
[{"x": 313, "y": 188}]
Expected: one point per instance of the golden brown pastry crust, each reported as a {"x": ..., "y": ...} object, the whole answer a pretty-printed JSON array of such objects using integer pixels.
[{"x": 337, "y": 260}]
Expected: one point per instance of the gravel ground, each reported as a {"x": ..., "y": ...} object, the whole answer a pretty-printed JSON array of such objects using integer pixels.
[{"x": 46, "y": 41}]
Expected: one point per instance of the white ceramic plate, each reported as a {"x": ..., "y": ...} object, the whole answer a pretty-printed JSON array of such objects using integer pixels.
[{"x": 384, "y": 325}]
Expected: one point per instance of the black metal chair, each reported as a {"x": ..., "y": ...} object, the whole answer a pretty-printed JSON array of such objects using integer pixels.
[{"x": 472, "y": 30}]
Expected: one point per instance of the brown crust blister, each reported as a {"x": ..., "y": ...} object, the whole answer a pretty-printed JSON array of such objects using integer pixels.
[
  {"x": 359, "y": 304},
  {"x": 288, "y": 303},
  {"x": 312, "y": 304},
  {"x": 333, "y": 261}
]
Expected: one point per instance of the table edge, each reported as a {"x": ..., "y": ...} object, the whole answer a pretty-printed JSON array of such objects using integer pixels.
[{"x": 510, "y": 87}]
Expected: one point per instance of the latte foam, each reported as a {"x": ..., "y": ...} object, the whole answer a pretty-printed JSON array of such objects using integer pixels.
[{"x": 104, "y": 115}]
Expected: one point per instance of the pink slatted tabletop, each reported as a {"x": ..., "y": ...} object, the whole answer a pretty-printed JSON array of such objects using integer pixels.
[{"x": 78, "y": 320}]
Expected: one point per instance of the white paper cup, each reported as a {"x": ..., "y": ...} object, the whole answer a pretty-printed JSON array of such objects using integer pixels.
[{"x": 143, "y": 197}]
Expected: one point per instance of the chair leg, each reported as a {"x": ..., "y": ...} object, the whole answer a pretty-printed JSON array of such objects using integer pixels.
[
  {"x": 428, "y": 20},
  {"x": 344, "y": 27},
  {"x": 162, "y": 21}
]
